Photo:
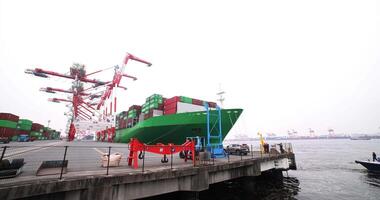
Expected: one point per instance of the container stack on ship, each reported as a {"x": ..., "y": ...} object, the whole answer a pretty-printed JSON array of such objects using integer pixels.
[{"x": 168, "y": 120}]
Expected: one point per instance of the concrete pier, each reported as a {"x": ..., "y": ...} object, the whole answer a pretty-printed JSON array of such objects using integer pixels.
[{"x": 134, "y": 184}]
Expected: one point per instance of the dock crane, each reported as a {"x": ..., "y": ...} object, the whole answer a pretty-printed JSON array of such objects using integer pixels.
[{"x": 83, "y": 102}]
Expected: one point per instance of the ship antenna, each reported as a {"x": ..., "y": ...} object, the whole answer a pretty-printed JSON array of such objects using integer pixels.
[{"x": 220, "y": 94}]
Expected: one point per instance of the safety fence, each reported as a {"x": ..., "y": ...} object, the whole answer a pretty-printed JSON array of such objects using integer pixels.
[{"x": 65, "y": 160}]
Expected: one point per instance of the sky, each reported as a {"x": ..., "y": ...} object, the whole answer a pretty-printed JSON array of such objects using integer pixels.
[{"x": 288, "y": 64}]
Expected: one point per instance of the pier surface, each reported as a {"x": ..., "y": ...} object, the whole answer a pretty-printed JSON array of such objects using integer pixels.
[{"x": 87, "y": 179}]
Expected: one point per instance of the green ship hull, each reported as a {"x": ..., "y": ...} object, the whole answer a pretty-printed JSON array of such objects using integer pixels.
[{"x": 176, "y": 127}]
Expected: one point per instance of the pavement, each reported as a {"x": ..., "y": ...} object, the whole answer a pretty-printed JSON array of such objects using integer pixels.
[{"x": 84, "y": 159}]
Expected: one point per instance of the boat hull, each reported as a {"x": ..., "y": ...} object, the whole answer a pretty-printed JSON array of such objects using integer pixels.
[
  {"x": 176, "y": 127},
  {"x": 371, "y": 166}
]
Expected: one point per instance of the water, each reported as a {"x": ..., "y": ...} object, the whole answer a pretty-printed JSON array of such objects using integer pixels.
[{"x": 326, "y": 171}]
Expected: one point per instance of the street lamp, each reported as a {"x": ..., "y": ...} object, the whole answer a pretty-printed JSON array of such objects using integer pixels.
[{"x": 48, "y": 123}]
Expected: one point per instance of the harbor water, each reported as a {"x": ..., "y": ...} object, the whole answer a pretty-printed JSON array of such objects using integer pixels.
[{"x": 326, "y": 171}]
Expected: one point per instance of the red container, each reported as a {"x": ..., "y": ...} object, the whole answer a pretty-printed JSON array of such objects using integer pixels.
[
  {"x": 212, "y": 104},
  {"x": 135, "y": 107},
  {"x": 170, "y": 106},
  {"x": 9, "y": 117},
  {"x": 171, "y": 111},
  {"x": 172, "y": 100},
  {"x": 45, "y": 134},
  {"x": 7, "y": 132},
  {"x": 149, "y": 114},
  {"x": 22, "y": 132},
  {"x": 197, "y": 102},
  {"x": 37, "y": 127}
]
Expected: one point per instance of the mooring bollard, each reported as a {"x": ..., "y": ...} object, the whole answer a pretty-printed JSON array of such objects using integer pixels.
[
  {"x": 2, "y": 154},
  {"x": 251, "y": 151},
  {"x": 143, "y": 164},
  {"x": 109, "y": 158},
  {"x": 63, "y": 162},
  {"x": 171, "y": 158}
]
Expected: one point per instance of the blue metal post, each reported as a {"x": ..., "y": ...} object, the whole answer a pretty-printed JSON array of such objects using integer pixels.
[
  {"x": 220, "y": 124},
  {"x": 208, "y": 123}
]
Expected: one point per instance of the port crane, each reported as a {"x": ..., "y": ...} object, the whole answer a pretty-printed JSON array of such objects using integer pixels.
[{"x": 85, "y": 104}]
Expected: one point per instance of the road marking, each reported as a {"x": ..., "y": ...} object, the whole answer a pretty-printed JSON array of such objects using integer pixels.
[
  {"x": 31, "y": 148},
  {"x": 100, "y": 152}
]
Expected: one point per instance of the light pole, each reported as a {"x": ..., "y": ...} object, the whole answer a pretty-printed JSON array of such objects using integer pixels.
[{"x": 48, "y": 123}]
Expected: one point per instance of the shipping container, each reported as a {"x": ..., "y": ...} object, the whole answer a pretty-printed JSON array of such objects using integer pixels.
[
  {"x": 8, "y": 124},
  {"x": 212, "y": 104},
  {"x": 7, "y": 132},
  {"x": 135, "y": 107},
  {"x": 186, "y": 107},
  {"x": 186, "y": 99},
  {"x": 169, "y": 112},
  {"x": 9, "y": 117},
  {"x": 198, "y": 102},
  {"x": 172, "y": 100},
  {"x": 170, "y": 106}
]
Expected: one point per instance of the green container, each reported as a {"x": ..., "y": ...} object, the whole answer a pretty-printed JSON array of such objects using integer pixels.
[
  {"x": 132, "y": 115},
  {"x": 155, "y": 101},
  {"x": 153, "y": 105},
  {"x": 25, "y": 121},
  {"x": 14, "y": 138},
  {"x": 153, "y": 96},
  {"x": 35, "y": 134},
  {"x": 24, "y": 127},
  {"x": 8, "y": 124},
  {"x": 186, "y": 99}
]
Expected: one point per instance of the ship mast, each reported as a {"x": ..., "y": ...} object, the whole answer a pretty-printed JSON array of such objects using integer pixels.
[{"x": 220, "y": 94}]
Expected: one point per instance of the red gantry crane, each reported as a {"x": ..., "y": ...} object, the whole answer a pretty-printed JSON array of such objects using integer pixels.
[{"x": 86, "y": 104}]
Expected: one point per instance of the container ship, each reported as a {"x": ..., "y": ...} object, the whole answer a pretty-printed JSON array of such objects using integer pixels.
[{"x": 162, "y": 120}]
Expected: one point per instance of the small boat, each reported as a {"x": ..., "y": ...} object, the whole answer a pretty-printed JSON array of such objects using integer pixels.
[
  {"x": 361, "y": 137},
  {"x": 370, "y": 165}
]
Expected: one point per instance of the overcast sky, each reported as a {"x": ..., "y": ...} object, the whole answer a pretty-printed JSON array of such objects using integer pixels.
[{"x": 288, "y": 64}]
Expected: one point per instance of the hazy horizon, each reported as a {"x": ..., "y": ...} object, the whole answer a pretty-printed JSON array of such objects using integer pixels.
[{"x": 288, "y": 64}]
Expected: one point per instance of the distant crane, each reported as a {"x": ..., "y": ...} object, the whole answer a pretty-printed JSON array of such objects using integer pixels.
[
  {"x": 84, "y": 104},
  {"x": 331, "y": 132},
  {"x": 311, "y": 132}
]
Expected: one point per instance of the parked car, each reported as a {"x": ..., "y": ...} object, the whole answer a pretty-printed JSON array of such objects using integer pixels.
[{"x": 237, "y": 149}]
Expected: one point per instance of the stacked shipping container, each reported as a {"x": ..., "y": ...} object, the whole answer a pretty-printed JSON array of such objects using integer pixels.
[
  {"x": 36, "y": 131},
  {"x": 181, "y": 104},
  {"x": 12, "y": 127},
  {"x": 8, "y": 124},
  {"x": 24, "y": 126},
  {"x": 153, "y": 106}
]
